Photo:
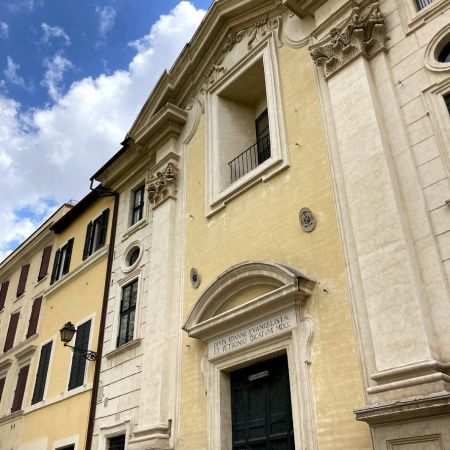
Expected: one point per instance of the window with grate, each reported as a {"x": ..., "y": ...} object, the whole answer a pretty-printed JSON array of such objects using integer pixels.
[
  {"x": 420, "y": 4},
  {"x": 137, "y": 209},
  {"x": 116, "y": 442},
  {"x": 20, "y": 389},
  {"x": 41, "y": 376},
  {"x": 61, "y": 264},
  {"x": 127, "y": 313},
  {"x": 96, "y": 234},
  {"x": 43, "y": 270},
  {"x": 77, "y": 371}
]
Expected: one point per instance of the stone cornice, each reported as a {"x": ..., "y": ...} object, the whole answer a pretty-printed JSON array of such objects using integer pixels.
[
  {"x": 363, "y": 33},
  {"x": 303, "y": 8}
]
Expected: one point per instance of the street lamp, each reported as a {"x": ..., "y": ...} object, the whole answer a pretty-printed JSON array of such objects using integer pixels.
[{"x": 67, "y": 332}]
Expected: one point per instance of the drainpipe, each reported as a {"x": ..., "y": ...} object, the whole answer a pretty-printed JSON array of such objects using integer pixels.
[{"x": 90, "y": 427}]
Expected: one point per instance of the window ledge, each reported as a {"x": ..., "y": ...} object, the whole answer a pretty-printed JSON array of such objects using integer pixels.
[
  {"x": 417, "y": 19},
  {"x": 38, "y": 282},
  {"x": 58, "y": 398},
  {"x": 137, "y": 226},
  {"x": 19, "y": 346},
  {"x": 19, "y": 297},
  {"x": 123, "y": 348},
  {"x": 11, "y": 417},
  {"x": 81, "y": 268}
]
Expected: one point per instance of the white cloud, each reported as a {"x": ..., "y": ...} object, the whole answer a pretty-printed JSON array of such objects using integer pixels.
[
  {"x": 50, "y": 153},
  {"x": 4, "y": 30},
  {"x": 49, "y": 32},
  {"x": 54, "y": 74},
  {"x": 11, "y": 73},
  {"x": 17, "y": 5},
  {"x": 106, "y": 19}
]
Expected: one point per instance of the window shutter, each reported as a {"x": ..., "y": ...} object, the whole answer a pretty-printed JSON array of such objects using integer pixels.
[
  {"x": 68, "y": 256},
  {"x": 23, "y": 279},
  {"x": 20, "y": 389},
  {"x": 45, "y": 262},
  {"x": 79, "y": 359},
  {"x": 55, "y": 265},
  {"x": 88, "y": 241},
  {"x": 41, "y": 376},
  {"x": 9, "y": 341},
  {"x": 103, "y": 228},
  {"x": 2, "y": 386},
  {"x": 34, "y": 317},
  {"x": 3, "y": 292}
]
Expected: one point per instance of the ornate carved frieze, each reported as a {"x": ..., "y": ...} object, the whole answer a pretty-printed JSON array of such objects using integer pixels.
[
  {"x": 255, "y": 33},
  {"x": 162, "y": 184},
  {"x": 362, "y": 34}
]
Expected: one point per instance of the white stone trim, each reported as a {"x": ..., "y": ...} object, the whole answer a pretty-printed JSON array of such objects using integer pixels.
[
  {"x": 123, "y": 263},
  {"x": 110, "y": 431},
  {"x": 413, "y": 19},
  {"x": 433, "y": 48},
  {"x": 215, "y": 197},
  {"x": 61, "y": 443}
]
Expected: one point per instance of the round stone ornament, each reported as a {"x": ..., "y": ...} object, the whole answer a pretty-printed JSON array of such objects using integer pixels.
[{"x": 307, "y": 220}]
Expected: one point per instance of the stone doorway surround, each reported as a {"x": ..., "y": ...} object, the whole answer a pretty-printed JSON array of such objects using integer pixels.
[{"x": 268, "y": 325}]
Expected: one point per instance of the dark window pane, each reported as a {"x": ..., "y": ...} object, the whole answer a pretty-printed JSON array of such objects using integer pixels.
[
  {"x": 444, "y": 55},
  {"x": 138, "y": 205},
  {"x": 447, "y": 101},
  {"x": 127, "y": 313},
  {"x": 116, "y": 443}
]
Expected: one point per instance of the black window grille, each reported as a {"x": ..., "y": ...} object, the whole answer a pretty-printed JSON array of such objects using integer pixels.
[
  {"x": 41, "y": 376},
  {"x": 116, "y": 443},
  {"x": 79, "y": 356},
  {"x": 138, "y": 205},
  {"x": 96, "y": 234},
  {"x": 420, "y": 4},
  {"x": 127, "y": 313}
]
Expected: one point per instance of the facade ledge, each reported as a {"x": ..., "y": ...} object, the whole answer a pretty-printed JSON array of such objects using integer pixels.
[
  {"x": 137, "y": 226},
  {"x": 5, "y": 364},
  {"x": 81, "y": 268},
  {"x": 11, "y": 417},
  {"x": 41, "y": 281},
  {"x": 19, "y": 297},
  {"x": 58, "y": 398},
  {"x": 25, "y": 354},
  {"x": 19, "y": 346},
  {"x": 404, "y": 410},
  {"x": 123, "y": 348}
]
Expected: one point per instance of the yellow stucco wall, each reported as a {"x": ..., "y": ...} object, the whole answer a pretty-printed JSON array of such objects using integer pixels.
[
  {"x": 262, "y": 224},
  {"x": 64, "y": 414}
]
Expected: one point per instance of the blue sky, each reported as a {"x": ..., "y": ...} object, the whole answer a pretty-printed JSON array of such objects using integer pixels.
[{"x": 73, "y": 76}]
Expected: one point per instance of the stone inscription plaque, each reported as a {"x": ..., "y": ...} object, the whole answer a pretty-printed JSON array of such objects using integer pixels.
[{"x": 251, "y": 334}]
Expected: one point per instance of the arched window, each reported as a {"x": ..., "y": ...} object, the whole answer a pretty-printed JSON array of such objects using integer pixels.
[{"x": 444, "y": 54}]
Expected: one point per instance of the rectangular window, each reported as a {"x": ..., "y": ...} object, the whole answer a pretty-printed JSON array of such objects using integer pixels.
[
  {"x": 116, "y": 443},
  {"x": 420, "y": 4},
  {"x": 96, "y": 234},
  {"x": 3, "y": 292},
  {"x": 23, "y": 279},
  {"x": 11, "y": 334},
  {"x": 2, "y": 387},
  {"x": 41, "y": 376},
  {"x": 79, "y": 356},
  {"x": 137, "y": 211},
  {"x": 447, "y": 101},
  {"x": 127, "y": 313},
  {"x": 61, "y": 264},
  {"x": 34, "y": 317},
  {"x": 43, "y": 270},
  {"x": 20, "y": 389}
]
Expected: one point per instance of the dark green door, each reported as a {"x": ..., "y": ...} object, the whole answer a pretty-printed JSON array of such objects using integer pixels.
[{"x": 261, "y": 407}]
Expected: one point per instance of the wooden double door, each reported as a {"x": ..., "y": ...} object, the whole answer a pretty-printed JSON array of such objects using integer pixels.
[{"x": 261, "y": 407}]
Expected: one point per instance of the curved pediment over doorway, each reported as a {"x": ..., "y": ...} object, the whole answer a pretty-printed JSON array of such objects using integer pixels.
[{"x": 246, "y": 292}]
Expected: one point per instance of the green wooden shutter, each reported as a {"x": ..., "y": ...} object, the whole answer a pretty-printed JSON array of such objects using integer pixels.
[
  {"x": 66, "y": 261},
  {"x": 3, "y": 292},
  {"x": 56, "y": 263},
  {"x": 103, "y": 228},
  {"x": 79, "y": 357},
  {"x": 41, "y": 376},
  {"x": 88, "y": 242},
  {"x": 20, "y": 389}
]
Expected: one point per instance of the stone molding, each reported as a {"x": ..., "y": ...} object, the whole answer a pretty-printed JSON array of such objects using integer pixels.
[
  {"x": 361, "y": 34},
  {"x": 162, "y": 184},
  {"x": 303, "y": 8}
]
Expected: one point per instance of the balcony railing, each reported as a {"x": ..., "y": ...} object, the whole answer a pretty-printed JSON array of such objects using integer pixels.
[
  {"x": 249, "y": 159},
  {"x": 423, "y": 3}
]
